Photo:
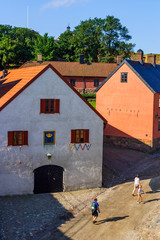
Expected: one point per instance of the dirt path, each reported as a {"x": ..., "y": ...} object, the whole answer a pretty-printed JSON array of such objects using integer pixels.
[{"x": 121, "y": 218}]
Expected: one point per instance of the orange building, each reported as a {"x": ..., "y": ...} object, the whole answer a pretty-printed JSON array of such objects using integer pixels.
[{"x": 130, "y": 101}]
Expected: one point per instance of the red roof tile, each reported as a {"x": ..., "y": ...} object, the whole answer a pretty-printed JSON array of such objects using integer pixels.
[{"x": 77, "y": 69}]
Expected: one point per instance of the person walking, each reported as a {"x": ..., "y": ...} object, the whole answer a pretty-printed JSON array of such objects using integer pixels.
[
  {"x": 95, "y": 210},
  {"x": 136, "y": 183},
  {"x": 140, "y": 191}
]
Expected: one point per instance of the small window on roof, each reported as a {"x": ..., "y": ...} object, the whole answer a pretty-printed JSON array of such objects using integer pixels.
[{"x": 124, "y": 76}]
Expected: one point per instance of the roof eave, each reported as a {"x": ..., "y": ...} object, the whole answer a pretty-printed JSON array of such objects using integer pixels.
[{"x": 110, "y": 75}]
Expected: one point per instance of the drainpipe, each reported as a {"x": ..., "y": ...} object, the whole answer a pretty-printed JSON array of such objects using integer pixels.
[{"x": 84, "y": 84}]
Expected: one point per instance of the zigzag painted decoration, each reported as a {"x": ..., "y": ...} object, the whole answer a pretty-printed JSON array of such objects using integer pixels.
[
  {"x": 77, "y": 145},
  {"x": 71, "y": 146},
  {"x": 83, "y": 146},
  {"x": 88, "y": 145}
]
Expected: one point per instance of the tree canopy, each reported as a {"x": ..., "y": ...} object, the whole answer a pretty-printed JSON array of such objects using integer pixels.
[{"x": 100, "y": 40}]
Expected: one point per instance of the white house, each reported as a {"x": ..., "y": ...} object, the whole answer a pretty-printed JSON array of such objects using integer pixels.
[{"x": 51, "y": 139}]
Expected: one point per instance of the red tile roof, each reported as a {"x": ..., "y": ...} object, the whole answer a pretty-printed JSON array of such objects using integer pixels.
[
  {"x": 77, "y": 69},
  {"x": 24, "y": 75},
  {"x": 19, "y": 79}
]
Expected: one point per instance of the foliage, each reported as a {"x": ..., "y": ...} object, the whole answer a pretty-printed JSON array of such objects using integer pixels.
[
  {"x": 64, "y": 50},
  {"x": 93, "y": 104},
  {"x": 100, "y": 40},
  {"x": 44, "y": 45},
  {"x": 16, "y": 45},
  {"x": 89, "y": 95}
]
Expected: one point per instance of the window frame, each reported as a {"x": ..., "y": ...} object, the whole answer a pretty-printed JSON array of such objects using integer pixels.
[
  {"x": 96, "y": 82},
  {"x": 54, "y": 135},
  {"x": 75, "y": 132},
  {"x": 124, "y": 77},
  {"x": 49, "y": 104},
  {"x": 12, "y": 135},
  {"x": 73, "y": 82}
]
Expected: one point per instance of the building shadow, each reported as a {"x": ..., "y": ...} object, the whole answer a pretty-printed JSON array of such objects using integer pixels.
[
  {"x": 32, "y": 217},
  {"x": 123, "y": 158},
  {"x": 115, "y": 137},
  {"x": 113, "y": 219},
  {"x": 155, "y": 184}
]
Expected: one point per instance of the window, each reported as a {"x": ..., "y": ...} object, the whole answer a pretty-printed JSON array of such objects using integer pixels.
[
  {"x": 124, "y": 76},
  {"x": 80, "y": 136},
  {"x": 96, "y": 83},
  {"x": 49, "y": 138},
  {"x": 73, "y": 82},
  {"x": 17, "y": 138},
  {"x": 49, "y": 105}
]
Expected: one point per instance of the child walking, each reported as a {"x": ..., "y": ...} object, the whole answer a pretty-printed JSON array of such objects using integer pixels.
[
  {"x": 140, "y": 191},
  {"x": 95, "y": 210}
]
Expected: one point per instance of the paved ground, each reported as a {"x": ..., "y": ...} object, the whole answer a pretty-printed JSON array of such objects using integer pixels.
[
  {"x": 120, "y": 218},
  {"x": 32, "y": 216},
  {"x": 67, "y": 215}
]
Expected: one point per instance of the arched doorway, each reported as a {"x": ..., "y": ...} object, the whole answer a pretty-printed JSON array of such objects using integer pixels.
[{"x": 48, "y": 178}]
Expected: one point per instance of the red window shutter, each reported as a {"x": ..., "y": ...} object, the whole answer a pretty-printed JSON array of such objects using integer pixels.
[
  {"x": 42, "y": 105},
  {"x": 10, "y": 138},
  {"x": 56, "y": 105},
  {"x": 73, "y": 136},
  {"x": 86, "y": 135},
  {"x": 25, "y": 137}
]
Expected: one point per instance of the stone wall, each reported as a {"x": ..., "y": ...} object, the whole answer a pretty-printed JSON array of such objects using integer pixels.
[{"x": 132, "y": 143}]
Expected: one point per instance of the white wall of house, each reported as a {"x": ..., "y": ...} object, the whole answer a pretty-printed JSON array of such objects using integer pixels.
[{"x": 82, "y": 169}]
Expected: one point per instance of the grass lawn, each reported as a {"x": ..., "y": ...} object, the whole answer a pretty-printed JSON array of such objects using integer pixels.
[{"x": 93, "y": 104}]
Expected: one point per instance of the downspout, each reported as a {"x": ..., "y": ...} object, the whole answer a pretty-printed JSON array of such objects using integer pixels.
[{"x": 84, "y": 84}]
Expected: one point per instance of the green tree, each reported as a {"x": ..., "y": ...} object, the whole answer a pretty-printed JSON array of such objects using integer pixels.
[
  {"x": 46, "y": 46},
  {"x": 16, "y": 45},
  {"x": 7, "y": 51},
  {"x": 101, "y": 40},
  {"x": 86, "y": 39},
  {"x": 114, "y": 39},
  {"x": 64, "y": 49}
]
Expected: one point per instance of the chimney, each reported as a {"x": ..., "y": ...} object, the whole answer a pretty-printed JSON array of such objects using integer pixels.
[
  {"x": 119, "y": 59},
  {"x": 81, "y": 59},
  {"x": 5, "y": 72},
  {"x": 152, "y": 59},
  {"x": 140, "y": 55},
  {"x": 39, "y": 57}
]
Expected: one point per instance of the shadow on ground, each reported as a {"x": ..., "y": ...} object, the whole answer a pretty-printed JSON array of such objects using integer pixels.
[
  {"x": 122, "y": 165},
  {"x": 152, "y": 200},
  {"x": 33, "y": 217},
  {"x": 155, "y": 184},
  {"x": 114, "y": 219}
]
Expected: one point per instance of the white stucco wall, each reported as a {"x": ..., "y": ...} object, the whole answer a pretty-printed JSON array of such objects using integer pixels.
[{"x": 82, "y": 169}]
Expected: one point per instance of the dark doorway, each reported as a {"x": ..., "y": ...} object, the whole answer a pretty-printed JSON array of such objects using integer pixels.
[{"x": 48, "y": 178}]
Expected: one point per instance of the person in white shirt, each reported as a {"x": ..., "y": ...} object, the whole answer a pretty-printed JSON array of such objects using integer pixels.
[
  {"x": 136, "y": 184},
  {"x": 140, "y": 191}
]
